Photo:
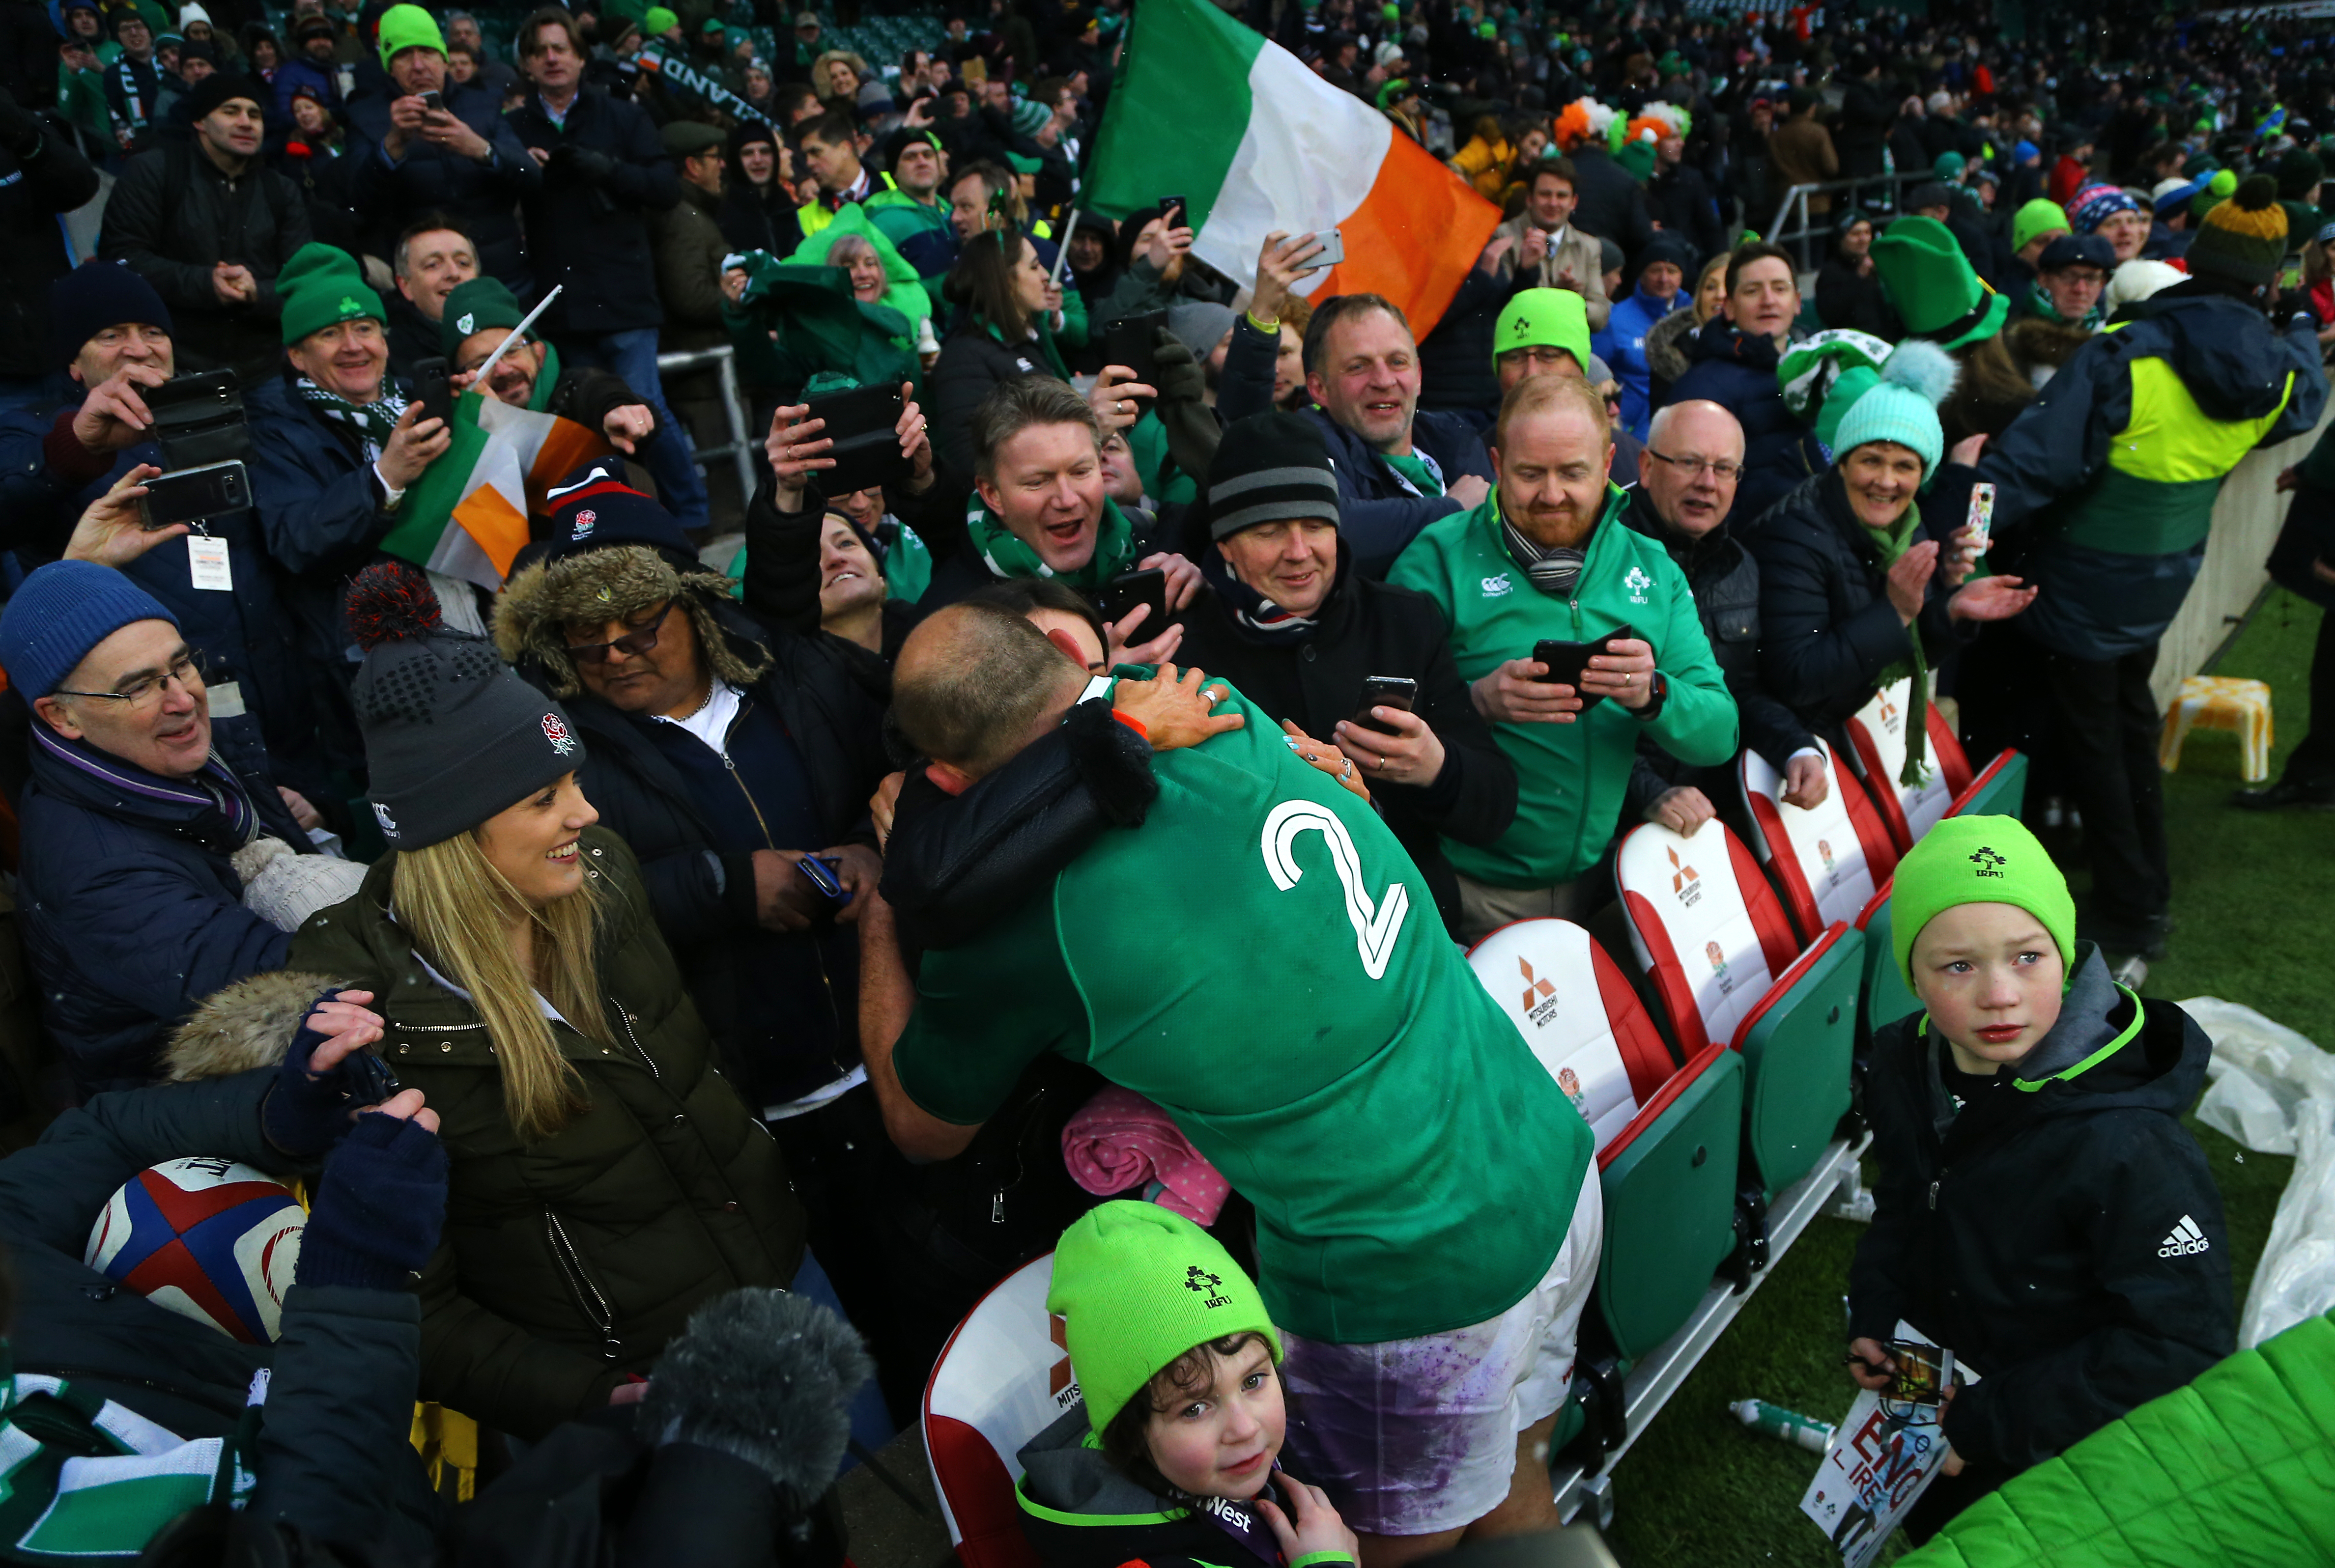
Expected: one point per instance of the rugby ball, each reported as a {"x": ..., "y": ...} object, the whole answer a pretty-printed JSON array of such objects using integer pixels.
[{"x": 209, "y": 1238}]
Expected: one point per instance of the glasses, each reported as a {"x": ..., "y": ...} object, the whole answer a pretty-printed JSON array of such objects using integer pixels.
[
  {"x": 146, "y": 692},
  {"x": 622, "y": 647},
  {"x": 1726, "y": 473},
  {"x": 1545, "y": 355}
]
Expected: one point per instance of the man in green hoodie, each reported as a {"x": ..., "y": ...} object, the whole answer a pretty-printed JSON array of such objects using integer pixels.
[{"x": 1547, "y": 558}]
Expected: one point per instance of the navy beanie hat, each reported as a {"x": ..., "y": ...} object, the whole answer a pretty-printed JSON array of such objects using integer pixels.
[
  {"x": 63, "y": 610},
  {"x": 87, "y": 300},
  {"x": 594, "y": 508}
]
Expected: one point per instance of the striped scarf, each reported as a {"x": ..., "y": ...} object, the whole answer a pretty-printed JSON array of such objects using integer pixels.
[
  {"x": 1552, "y": 570},
  {"x": 369, "y": 424}
]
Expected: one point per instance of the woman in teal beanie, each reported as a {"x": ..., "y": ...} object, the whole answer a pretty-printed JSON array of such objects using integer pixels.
[{"x": 2040, "y": 1211}]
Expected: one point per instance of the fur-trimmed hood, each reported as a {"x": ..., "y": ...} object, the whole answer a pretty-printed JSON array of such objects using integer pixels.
[
  {"x": 601, "y": 585},
  {"x": 250, "y": 1025}
]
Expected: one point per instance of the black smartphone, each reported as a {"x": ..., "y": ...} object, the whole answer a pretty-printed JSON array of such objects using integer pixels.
[
  {"x": 191, "y": 495},
  {"x": 1133, "y": 341},
  {"x": 821, "y": 874},
  {"x": 434, "y": 101},
  {"x": 1174, "y": 211},
  {"x": 199, "y": 419},
  {"x": 371, "y": 1081},
  {"x": 1567, "y": 661},
  {"x": 1118, "y": 599},
  {"x": 1385, "y": 692},
  {"x": 433, "y": 390},
  {"x": 863, "y": 425}
]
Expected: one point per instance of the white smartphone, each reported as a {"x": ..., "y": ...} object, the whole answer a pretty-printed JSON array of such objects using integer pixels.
[{"x": 1334, "y": 249}]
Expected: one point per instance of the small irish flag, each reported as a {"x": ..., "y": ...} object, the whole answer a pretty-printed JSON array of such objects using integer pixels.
[
  {"x": 1208, "y": 110},
  {"x": 466, "y": 516}
]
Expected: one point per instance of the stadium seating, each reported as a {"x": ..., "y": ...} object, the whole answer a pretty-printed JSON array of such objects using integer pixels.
[
  {"x": 1002, "y": 1378},
  {"x": 1877, "y": 734},
  {"x": 1667, "y": 1137},
  {"x": 1887, "y": 1000},
  {"x": 1728, "y": 971},
  {"x": 1828, "y": 863}
]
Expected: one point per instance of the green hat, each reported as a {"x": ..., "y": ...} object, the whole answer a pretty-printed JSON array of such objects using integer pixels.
[
  {"x": 1978, "y": 860},
  {"x": 2037, "y": 217},
  {"x": 1393, "y": 91},
  {"x": 481, "y": 304},
  {"x": 1543, "y": 318},
  {"x": 712, "y": 25},
  {"x": 1138, "y": 1285},
  {"x": 1949, "y": 165},
  {"x": 2244, "y": 239},
  {"x": 1391, "y": 11},
  {"x": 409, "y": 27},
  {"x": 320, "y": 286},
  {"x": 1487, "y": 30},
  {"x": 1022, "y": 164},
  {"x": 659, "y": 22},
  {"x": 688, "y": 138},
  {"x": 1931, "y": 284},
  {"x": 2218, "y": 189}
]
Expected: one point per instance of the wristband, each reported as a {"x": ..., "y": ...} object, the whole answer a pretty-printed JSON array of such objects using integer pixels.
[{"x": 1270, "y": 328}]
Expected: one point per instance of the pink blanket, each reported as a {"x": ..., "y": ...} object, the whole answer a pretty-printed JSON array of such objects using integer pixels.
[{"x": 1118, "y": 1139}]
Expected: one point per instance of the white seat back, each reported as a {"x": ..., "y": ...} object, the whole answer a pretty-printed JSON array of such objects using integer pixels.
[
  {"x": 1883, "y": 721},
  {"x": 1543, "y": 975},
  {"x": 1004, "y": 1379},
  {"x": 1688, "y": 887},
  {"x": 1822, "y": 843}
]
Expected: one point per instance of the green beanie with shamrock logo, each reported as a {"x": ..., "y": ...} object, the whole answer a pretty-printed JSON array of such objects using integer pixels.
[
  {"x": 1543, "y": 318},
  {"x": 1138, "y": 1285},
  {"x": 404, "y": 27},
  {"x": 1978, "y": 860},
  {"x": 320, "y": 286},
  {"x": 479, "y": 305}
]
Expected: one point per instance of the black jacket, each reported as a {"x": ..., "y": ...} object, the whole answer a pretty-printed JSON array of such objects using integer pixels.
[
  {"x": 36, "y": 183},
  {"x": 703, "y": 897},
  {"x": 173, "y": 215},
  {"x": 1725, "y": 579},
  {"x": 1680, "y": 199},
  {"x": 1613, "y": 206},
  {"x": 1737, "y": 373},
  {"x": 974, "y": 360},
  {"x": 1378, "y": 514},
  {"x": 1455, "y": 361},
  {"x": 588, "y": 223},
  {"x": 1828, "y": 629},
  {"x": 2060, "y": 1231},
  {"x": 1867, "y": 108},
  {"x": 482, "y": 198},
  {"x": 1848, "y": 298},
  {"x": 1370, "y": 628}
]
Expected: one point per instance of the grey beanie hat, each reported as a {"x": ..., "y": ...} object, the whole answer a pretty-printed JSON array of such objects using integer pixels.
[
  {"x": 1200, "y": 325},
  {"x": 1269, "y": 467},
  {"x": 451, "y": 736}
]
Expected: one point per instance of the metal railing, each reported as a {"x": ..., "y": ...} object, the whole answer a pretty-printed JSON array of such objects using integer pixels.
[
  {"x": 1880, "y": 197},
  {"x": 741, "y": 448}
]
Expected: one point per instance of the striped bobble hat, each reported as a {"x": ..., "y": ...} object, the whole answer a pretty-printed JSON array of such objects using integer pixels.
[
  {"x": 2244, "y": 238},
  {"x": 1268, "y": 467}
]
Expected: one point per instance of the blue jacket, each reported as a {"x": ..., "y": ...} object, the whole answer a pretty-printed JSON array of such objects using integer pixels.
[
  {"x": 1625, "y": 353},
  {"x": 132, "y": 911},
  {"x": 1378, "y": 513},
  {"x": 1738, "y": 373},
  {"x": 243, "y": 636},
  {"x": 477, "y": 196},
  {"x": 297, "y": 72}
]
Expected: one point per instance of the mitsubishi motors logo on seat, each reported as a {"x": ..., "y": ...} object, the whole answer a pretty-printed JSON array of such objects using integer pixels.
[
  {"x": 1683, "y": 880},
  {"x": 2184, "y": 1239},
  {"x": 1539, "y": 1002}
]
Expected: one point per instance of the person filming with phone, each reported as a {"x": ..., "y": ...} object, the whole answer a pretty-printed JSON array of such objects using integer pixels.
[{"x": 1580, "y": 636}]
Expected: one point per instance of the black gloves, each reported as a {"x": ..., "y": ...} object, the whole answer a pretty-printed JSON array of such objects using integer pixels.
[
  {"x": 378, "y": 1209},
  {"x": 593, "y": 168}
]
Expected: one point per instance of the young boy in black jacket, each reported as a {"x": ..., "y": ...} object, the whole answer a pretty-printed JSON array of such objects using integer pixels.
[{"x": 2040, "y": 1211}]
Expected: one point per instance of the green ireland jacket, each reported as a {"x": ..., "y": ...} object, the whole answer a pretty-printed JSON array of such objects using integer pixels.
[{"x": 1570, "y": 778}]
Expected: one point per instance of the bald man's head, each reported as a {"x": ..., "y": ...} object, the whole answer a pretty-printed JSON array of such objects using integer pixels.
[
  {"x": 1695, "y": 452},
  {"x": 975, "y": 684}
]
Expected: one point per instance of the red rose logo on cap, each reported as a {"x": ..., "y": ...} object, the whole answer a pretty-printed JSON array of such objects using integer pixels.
[
  {"x": 584, "y": 521},
  {"x": 555, "y": 729}
]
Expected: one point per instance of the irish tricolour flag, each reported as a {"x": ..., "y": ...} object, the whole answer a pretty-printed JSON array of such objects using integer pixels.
[
  {"x": 466, "y": 516},
  {"x": 1208, "y": 110}
]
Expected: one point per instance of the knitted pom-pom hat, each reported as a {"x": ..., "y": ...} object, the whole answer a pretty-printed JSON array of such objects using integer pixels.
[{"x": 2244, "y": 238}]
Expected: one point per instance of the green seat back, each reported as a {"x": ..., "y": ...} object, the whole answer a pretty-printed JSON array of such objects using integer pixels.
[
  {"x": 1669, "y": 1205},
  {"x": 2005, "y": 795},
  {"x": 1796, "y": 1055},
  {"x": 1887, "y": 1000}
]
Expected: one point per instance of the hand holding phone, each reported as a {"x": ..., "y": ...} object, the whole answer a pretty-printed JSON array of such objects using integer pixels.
[
  {"x": 821, "y": 874},
  {"x": 1384, "y": 691},
  {"x": 192, "y": 495},
  {"x": 1173, "y": 211},
  {"x": 1119, "y": 598},
  {"x": 433, "y": 391},
  {"x": 1569, "y": 661}
]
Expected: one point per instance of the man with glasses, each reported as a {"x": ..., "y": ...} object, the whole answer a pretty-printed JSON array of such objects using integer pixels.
[
  {"x": 133, "y": 902},
  {"x": 1688, "y": 473},
  {"x": 1542, "y": 332}
]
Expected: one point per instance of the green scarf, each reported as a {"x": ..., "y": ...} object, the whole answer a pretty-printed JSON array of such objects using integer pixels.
[
  {"x": 2039, "y": 302},
  {"x": 371, "y": 423},
  {"x": 1883, "y": 546},
  {"x": 1007, "y": 557},
  {"x": 547, "y": 381},
  {"x": 1412, "y": 468}
]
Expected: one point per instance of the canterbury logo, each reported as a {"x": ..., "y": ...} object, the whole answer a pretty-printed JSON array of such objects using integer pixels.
[
  {"x": 2184, "y": 1239},
  {"x": 1376, "y": 925}
]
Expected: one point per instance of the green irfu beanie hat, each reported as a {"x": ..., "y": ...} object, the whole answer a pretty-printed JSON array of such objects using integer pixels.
[
  {"x": 1978, "y": 860},
  {"x": 481, "y": 304},
  {"x": 2244, "y": 238},
  {"x": 409, "y": 27},
  {"x": 1949, "y": 165},
  {"x": 1138, "y": 1285},
  {"x": 2037, "y": 217},
  {"x": 1931, "y": 286},
  {"x": 320, "y": 286},
  {"x": 1543, "y": 318}
]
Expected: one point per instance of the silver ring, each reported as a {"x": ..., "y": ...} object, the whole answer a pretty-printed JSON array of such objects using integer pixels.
[
  {"x": 1349, "y": 771},
  {"x": 1382, "y": 764}
]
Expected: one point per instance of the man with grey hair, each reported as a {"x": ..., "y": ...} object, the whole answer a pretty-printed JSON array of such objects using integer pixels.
[
  {"x": 1688, "y": 472},
  {"x": 431, "y": 259},
  {"x": 496, "y": 75}
]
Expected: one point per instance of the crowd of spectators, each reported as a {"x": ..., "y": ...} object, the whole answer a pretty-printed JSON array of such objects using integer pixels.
[{"x": 735, "y": 921}]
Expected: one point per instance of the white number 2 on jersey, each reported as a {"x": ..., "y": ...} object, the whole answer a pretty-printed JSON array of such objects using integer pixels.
[{"x": 1375, "y": 926}]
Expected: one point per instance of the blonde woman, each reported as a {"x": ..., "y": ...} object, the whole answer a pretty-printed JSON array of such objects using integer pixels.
[
  {"x": 1666, "y": 341},
  {"x": 605, "y": 1180}
]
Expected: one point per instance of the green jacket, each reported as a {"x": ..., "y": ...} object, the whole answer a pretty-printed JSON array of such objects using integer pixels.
[
  {"x": 1570, "y": 778},
  {"x": 570, "y": 1263},
  {"x": 2237, "y": 1467}
]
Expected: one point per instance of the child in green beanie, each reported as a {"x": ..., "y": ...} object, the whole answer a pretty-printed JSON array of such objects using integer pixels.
[
  {"x": 2040, "y": 1209},
  {"x": 1170, "y": 1456}
]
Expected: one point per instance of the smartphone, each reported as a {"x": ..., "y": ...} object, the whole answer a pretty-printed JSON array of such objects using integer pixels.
[
  {"x": 434, "y": 101},
  {"x": 1567, "y": 661},
  {"x": 1333, "y": 248},
  {"x": 191, "y": 495},
  {"x": 1173, "y": 211},
  {"x": 199, "y": 419},
  {"x": 822, "y": 876},
  {"x": 1119, "y": 597},
  {"x": 433, "y": 390},
  {"x": 863, "y": 425},
  {"x": 371, "y": 1081},
  {"x": 1981, "y": 515},
  {"x": 1385, "y": 692},
  {"x": 1132, "y": 340}
]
